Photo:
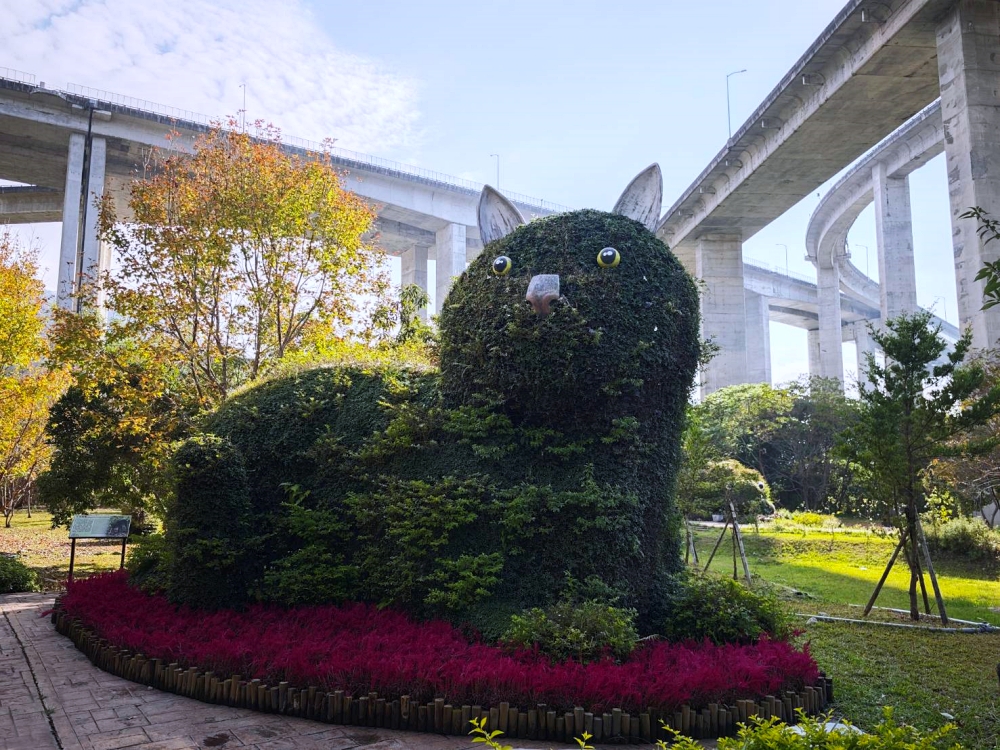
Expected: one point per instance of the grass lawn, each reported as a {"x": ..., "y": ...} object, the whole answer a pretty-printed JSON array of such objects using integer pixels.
[
  {"x": 922, "y": 675},
  {"x": 46, "y": 550}
]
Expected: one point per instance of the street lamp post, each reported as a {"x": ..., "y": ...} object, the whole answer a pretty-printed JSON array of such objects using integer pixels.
[
  {"x": 498, "y": 169},
  {"x": 944, "y": 306},
  {"x": 91, "y": 106},
  {"x": 729, "y": 117},
  {"x": 782, "y": 244},
  {"x": 866, "y": 258}
]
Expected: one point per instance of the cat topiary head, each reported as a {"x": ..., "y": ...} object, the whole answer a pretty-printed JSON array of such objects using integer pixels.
[{"x": 576, "y": 318}]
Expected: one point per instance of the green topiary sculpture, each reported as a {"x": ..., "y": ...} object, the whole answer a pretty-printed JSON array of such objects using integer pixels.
[{"x": 545, "y": 450}]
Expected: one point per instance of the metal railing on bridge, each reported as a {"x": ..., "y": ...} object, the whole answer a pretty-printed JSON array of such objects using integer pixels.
[
  {"x": 343, "y": 156},
  {"x": 780, "y": 271}
]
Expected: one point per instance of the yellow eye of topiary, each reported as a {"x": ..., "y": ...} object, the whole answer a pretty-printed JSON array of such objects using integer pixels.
[
  {"x": 502, "y": 265},
  {"x": 608, "y": 258}
]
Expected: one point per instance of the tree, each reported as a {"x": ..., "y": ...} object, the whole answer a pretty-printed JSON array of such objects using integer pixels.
[
  {"x": 232, "y": 255},
  {"x": 27, "y": 386},
  {"x": 742, "y": 420},
  {"x": 915, "y": 408},
  {"x": 786, "y": 433},
  {"x": 804, "y": 465}
]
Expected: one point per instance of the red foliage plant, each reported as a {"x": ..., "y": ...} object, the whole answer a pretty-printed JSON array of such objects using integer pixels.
[{"x": 359, "y": 648}]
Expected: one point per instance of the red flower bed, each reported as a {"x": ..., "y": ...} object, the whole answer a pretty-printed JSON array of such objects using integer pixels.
[{"x": 359, "y": 648}]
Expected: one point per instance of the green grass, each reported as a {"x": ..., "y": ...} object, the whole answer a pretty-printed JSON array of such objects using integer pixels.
[
  {"x": 921, "y": 674},
  {"x": 46, "y": 550}
]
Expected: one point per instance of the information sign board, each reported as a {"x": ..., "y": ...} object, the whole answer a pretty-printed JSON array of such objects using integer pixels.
[
  {"x": 97, "y": 527},
  {"x": 100, "y": 527}
]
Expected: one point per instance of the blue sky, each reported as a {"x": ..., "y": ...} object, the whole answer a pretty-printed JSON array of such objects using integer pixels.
[{"x": 575, "y": 97}]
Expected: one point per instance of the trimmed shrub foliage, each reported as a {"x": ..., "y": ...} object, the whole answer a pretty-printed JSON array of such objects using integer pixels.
[
  {"x": 206, "y": 525},
  {"x": 724, "y": 611},
  {"x": 360, "y": 648},
  {"x": 148, "y": 562},
  {"x": 583, "y": 631},
  {"x": 545, "y": 447},
  {"x": 15, "y": 576}
]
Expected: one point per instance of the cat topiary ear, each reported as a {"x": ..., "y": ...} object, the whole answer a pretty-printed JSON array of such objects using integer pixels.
[
  {"x": 643, "y": 198},
  {"x": 498, "y": 217}
]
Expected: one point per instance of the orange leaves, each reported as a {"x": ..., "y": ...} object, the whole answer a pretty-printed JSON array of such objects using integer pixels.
[{"x": 236, "y": 251}]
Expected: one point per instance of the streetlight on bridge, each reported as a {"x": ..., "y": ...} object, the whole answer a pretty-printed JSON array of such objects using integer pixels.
[
  {"x": 729, "y": 116},
  {"x": 782, "y": 244}
]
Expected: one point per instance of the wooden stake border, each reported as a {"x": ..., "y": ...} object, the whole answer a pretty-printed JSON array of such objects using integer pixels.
[{"x": 437, "y": 717}]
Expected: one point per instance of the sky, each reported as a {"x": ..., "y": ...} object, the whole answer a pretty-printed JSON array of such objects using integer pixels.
[{"x": 575, "y": 97}]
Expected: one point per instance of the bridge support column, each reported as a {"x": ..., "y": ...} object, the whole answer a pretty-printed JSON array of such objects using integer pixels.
[
  {"x": 70, "y": 241},
  {"x": 719, "y": 263},
  {"x": 831, "y": 349},
  {"x": 758, "y": 338},
  {"x": 894, "y": 232},
  {"x": 968, "y": 47},
  {"x": 93, "y": 256},
  {"x": 414, "y": 270},
  {"x": 865, "y": 345},
  {"x": 813, "y": 343},
  {"x": 450, "y": 247}
]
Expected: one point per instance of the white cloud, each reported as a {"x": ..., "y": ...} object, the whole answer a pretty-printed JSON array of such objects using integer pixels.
[{"x": 194, "y": 54}]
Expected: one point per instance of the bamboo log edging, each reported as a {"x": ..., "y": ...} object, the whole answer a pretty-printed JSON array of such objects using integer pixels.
[{"x": 438, "y": 717}]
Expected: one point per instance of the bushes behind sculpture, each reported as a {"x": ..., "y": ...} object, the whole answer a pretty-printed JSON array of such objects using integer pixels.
[{"x": 544, "y": 452}]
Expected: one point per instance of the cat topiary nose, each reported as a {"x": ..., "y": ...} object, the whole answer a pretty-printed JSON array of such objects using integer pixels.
[{"x": 543, "y": 290}]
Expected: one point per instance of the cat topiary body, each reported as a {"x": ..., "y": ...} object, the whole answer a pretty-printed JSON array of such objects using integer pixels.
[{"x": 545, "y": 450}]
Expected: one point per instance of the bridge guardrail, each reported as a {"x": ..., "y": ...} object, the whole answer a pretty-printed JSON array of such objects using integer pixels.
[{"x": 345, "y": 155}]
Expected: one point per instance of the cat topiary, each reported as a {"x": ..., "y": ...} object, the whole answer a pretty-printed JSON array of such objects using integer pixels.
[{"x": 545, "y": 449}]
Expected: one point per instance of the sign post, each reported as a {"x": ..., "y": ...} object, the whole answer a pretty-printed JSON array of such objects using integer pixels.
[{"x": 98, "y": 527}]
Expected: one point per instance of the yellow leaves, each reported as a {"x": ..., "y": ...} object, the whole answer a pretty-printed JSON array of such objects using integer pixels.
[
  {"x": 237, "y": 253},
  {"x": 21, "y": 320}
]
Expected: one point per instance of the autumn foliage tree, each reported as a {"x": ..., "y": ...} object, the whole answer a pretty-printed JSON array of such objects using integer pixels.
[
  {"x": 232, "y": 255},
  {"x": 27, "y": 387},
  {"x": 228, "y": 261}
]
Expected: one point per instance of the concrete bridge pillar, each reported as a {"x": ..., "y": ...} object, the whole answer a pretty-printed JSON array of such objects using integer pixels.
[
  {"x": 894, "y": 233},
  {"x": 758, "y": 338},
  {"x": 968, "y": 51},
  {"x": 865, "y": 345},
  {"x": 831, "y": 350},
  {"x": 813, "y": 343},
  {"x": 69, "y": 242},
  {"x": 93, "y": 256},
  {"x": 414, "y": 270},
  {"x": 719, "y": 263},
  {"x": 450, "y": 249}
]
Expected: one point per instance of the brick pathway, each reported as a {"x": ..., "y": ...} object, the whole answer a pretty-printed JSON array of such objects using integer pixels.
[{"x": 52, "y": 698}]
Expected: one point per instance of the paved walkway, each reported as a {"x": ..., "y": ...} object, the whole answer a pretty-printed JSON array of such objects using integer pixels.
[{"x": 53, "y": 698}]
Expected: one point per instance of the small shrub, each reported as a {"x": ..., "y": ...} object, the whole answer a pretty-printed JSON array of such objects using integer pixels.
[
  {"x": 968, "y": 538},
  {"x": 583, "y": 631},
  {"x": 810, "y": 734},
  {"x": 724, "y": 611},
  {"x": 815, "y": 520},
  {"x": 15, "y": 576},
  {"x": 148, "y": 562}
]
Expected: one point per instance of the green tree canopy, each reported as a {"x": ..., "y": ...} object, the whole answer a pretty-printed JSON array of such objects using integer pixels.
[{"x": 919, "y": 404}]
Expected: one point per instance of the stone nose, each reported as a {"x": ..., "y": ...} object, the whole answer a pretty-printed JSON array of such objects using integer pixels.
[{"x": 542, "y": 291}]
